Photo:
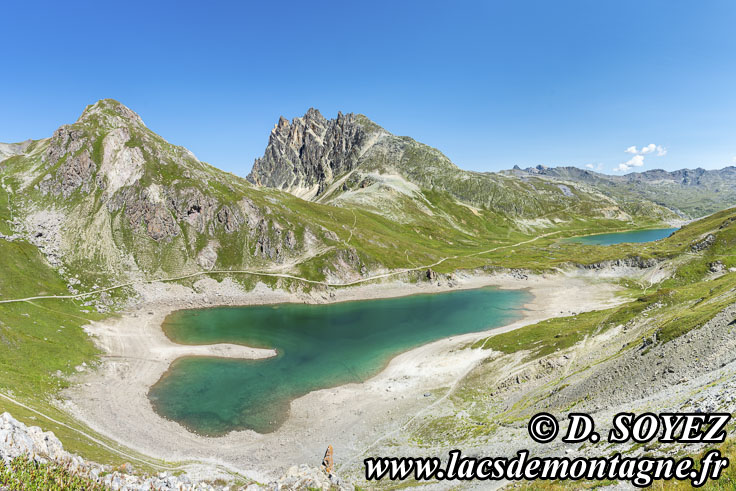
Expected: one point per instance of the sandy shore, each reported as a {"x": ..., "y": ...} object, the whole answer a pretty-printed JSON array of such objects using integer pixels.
[{"x": 113, "y": 401}]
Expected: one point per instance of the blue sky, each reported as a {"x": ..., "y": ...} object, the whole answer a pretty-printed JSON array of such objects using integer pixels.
[{"x": 491, "y": 84}]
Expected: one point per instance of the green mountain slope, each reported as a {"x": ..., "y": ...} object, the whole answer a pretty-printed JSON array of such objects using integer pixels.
[{"x": 105, "y": 202}]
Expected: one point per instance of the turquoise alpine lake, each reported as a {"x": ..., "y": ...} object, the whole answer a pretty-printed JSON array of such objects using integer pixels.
[
  {"x": 634, "y": 236},
  {"x": 318, "y": 346}
]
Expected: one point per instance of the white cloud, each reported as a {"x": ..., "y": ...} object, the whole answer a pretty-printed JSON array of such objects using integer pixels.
[
  {"x": 597, "y": 166},
  {"x": 638, "y": 159},
  {"x": 648, "y": 149},
  {"x": 635, "y": 161}
]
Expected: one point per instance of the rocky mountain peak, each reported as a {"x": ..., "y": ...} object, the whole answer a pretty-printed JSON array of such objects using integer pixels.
[
  {"x": 282, "y": 125},
  {"x": 305, "y": 155},
  {"x": 314, "y": 115},
  {"x": 110, "y": 113}
]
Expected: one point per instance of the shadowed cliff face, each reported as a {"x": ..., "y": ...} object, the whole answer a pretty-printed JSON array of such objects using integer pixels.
[{"x": 304, "y": 156}]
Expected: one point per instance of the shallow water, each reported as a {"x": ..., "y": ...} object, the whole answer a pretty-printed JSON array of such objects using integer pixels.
[
  {"x": 635, "y": 236},
  {"x": 319, "y": 346}
]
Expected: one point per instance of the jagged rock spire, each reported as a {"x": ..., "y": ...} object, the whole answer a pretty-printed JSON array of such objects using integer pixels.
[{"x": 305, "y": 154}]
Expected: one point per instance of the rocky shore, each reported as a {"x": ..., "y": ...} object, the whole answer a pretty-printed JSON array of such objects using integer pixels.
[{"x": 113, "y": 399}]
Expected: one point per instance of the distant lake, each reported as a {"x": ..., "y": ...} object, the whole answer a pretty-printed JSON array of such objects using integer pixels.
[
  {"x": 634, "y": 236},
  {"x": 319, "y": 346}
]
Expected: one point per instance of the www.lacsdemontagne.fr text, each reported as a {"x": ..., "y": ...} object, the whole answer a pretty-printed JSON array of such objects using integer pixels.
[{"x": 640, "y": 471}]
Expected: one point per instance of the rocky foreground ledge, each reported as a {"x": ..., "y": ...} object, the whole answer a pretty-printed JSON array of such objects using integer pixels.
[{"x": 19, "y": 440}]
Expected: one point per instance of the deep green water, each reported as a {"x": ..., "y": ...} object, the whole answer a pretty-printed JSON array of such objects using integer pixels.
[
  {"x": 319, "y": 346},
  {"x": 635, "y": 236}
]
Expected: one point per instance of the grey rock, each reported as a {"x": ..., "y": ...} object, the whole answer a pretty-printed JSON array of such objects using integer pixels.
[
  {"x": 71, "y": 147},
  {"x": 230, "y": 219},
  {"x": 309, "y": 151},
  {"x": 16, "y": 439},
  {"x": 629, "y": 262},
  {"x": 703, "y": 244},
  {"x": 716, "y": 267},
  {"x": 143, "y": 210}
]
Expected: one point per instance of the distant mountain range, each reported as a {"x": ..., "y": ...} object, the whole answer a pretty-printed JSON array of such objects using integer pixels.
[
  {"x": 690, "y": 192},
  {"x": 106, "y": 197}
]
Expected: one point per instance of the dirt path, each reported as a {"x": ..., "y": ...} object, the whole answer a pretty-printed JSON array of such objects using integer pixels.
[{"x": 272, "y": 275}]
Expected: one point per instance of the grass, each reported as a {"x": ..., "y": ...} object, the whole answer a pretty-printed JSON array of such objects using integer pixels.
[
  {"x": 42, "y": 342},
  {"x": 690, "y": 297},
  {"x": 686, "y": 301},
  {"x": 37, "y": 340},
  {"x": 560, "y": 333},
  {"x": 22, "y": 473}
]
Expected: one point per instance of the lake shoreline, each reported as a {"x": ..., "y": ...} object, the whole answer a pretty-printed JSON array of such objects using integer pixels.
[
  {"x": 641, "y": 235},
  {"x": 113, "y": 399},
  {"x": 319, "y": 346}
]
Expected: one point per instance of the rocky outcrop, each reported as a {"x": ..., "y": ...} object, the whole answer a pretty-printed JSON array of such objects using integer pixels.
[
  {"x": 208, "y": 256},
  {"x": 346, "y": 264},
  {"x": 161, "y": 210},
  {"x": 628, "y": 262},
  {"x": 19, "y": 440},
  {"x": 305, "y": 155},
  {"x": 305, "y": 477},
  {"x": 70, "y": 149},
  {"x": 122, "y": 164},
  {"x": 230, "y": 219},
  {"x": 16, "y": 440},
  {"x": 716, "y": 267},
  {"x": 268, "y": 245},
  {"x": 43, "y": 229},
  {"x": 145, "y": 208},
  {"x": 194, "y": 208},
  {"x": 703, "y": 244},
  {"x": 290, "y": 239}
]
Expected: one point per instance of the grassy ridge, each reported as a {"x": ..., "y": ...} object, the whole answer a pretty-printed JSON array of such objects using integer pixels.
[{"x": 689, "y": 300}]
